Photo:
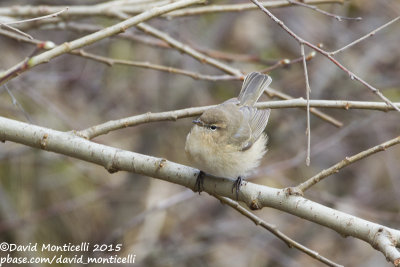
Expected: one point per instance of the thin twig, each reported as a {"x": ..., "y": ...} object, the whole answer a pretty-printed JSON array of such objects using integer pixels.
[
  {"x": 228, "y": 56},
  {"x": 84, "y": 28},
  {"x": 339, "y": 18},
  {"x": 286, "y": 62},
  {"x": 240, "y": 7},
  {"x": 7, "y": 24},
  {"x": 115, "y": 3},
  {"x": 41, "y": 44},
  {"x": 17, "y": 104},
  {"x": 16, "y": 30},
  {"x": 340, "y": 104},
  {"x": 274, "y": 230},
  {"x": 37, "y": 24},
  {"x": 182, "y": 47},
  {"x": 88, "y": 28},
  {"x": 189, "y": 50},
  {"x": 364, "y": 37},
  {"x": 80, "y": 10},
  {"x": 194, "y": 75},
  {"x": 274, "y": 93},
  {"x": 53, "y": 15},
  {"x": 326, "y": 54},
  {"x": 308, "y": 89},
  {"x": 347, "y": 161}
]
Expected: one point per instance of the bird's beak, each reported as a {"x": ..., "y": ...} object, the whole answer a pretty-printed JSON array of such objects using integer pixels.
[{"x": 197, "y": 122}]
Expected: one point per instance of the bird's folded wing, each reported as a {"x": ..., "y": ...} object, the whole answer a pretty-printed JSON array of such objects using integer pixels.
[{"x": 258, "y": 119}]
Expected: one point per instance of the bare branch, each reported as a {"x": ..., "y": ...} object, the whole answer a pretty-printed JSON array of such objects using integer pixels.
[
  {"x": 274, "y": 93},
  {"x": 274, "y": 230},
  {"x": 80, "y": 10},
  {"x": 339, "y": 18},
  {"x": 240, "y": 7},
  {"x": 85, "y": 28},
  {"x": 347, "y": 161},
  {"x": 91, "y": 38},
  {"x": 188, "y": 50},
  {"x": 53, "y": 15},
  {"x": 365, "y": 36},
  {"x": 340, "y": 104},
  {"x": 286, "y": 62},
  {"x": 7, "y": 24},
  {"x": 39, "y": 44},
  {"x": 17, "y": 104},
  {"x": 148, "y": 65},
  {"x": 16, "y": 30},
  {"x": 109, "y": 126},
  {"x": 308, "y": 90}
]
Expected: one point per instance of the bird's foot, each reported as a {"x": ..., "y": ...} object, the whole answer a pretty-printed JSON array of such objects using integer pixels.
[
  {"x": 199, "y": 185},
  {"x": 236, "y": 185}
]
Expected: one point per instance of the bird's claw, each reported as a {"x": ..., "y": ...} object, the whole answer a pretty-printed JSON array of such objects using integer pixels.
[
  {"x": 199, "y": 185},
  {"x": 236, "y": 185}
]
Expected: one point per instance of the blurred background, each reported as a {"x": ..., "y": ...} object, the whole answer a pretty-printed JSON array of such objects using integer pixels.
[{"x": 50, "y": 198}]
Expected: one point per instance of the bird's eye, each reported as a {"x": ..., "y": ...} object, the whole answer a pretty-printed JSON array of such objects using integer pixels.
[{"x": 213, "y": 127}]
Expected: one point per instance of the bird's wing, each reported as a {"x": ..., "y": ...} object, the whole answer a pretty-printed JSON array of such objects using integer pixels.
[
  {"x": 258, "y": 119},
  {"x": 253, "y": 86}
]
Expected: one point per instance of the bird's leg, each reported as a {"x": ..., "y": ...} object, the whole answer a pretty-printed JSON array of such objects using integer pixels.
[
  {"x": 199, "y": 186},
  {"x": 236, "y": 185}
]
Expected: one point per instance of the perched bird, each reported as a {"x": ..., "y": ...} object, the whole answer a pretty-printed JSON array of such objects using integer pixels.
[{"x": 228, "y": 140}]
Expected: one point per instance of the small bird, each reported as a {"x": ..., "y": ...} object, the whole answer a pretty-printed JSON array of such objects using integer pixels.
[{"x": 228, "y": 140}]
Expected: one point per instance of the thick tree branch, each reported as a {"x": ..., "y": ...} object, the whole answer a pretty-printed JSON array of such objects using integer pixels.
[{"x": 255, "y": 196}]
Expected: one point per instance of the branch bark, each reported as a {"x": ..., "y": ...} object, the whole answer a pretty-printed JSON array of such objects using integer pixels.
[{"x": 255, "y": 196}]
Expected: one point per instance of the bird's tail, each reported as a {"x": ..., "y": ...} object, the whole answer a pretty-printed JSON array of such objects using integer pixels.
[{"x": 253, "y": 86}]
